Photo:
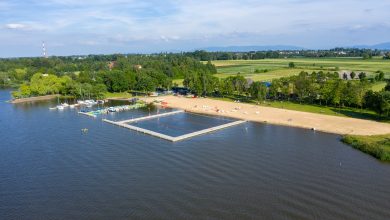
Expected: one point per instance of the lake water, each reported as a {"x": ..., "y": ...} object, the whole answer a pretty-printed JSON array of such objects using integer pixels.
[
  {"x": 182, "y": 123},
  {"x": 50, "y": 170}
]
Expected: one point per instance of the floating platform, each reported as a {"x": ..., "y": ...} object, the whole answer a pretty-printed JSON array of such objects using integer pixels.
[
  {"x": 120, "y": 108},
  {"x": 164, "y": 136},
  {"x": 86, "y": 113},
  {"x": 151, "y": 117}
]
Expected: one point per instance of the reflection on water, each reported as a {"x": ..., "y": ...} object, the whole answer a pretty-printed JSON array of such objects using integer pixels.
[{"x": 49, "y": 169}]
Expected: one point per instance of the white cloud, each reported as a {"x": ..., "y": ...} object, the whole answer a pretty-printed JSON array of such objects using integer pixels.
[
  {"x": 155, "y": 23},
  {"x": 26, "y": 26},
  {"x": 16, "y": 26}
]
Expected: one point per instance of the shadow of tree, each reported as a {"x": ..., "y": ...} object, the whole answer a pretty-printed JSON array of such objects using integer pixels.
[{"x": 360, "y": 115}]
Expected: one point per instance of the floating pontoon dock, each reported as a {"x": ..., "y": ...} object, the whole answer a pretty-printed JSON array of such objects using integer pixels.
[
  {"x": 164, "y": 136},
  {"x": 85, "y": 113},
  {"x": 151, "y": 117}
]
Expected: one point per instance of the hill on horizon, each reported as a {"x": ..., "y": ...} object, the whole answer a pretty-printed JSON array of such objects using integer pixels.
[{"x": 380, "y": 46}]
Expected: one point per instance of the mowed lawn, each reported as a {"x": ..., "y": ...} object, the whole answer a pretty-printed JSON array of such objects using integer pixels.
[{"x": 276, "y": 68}]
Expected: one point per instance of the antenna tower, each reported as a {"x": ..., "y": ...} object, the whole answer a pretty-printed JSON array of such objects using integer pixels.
[{"x": 44, "y": 49}]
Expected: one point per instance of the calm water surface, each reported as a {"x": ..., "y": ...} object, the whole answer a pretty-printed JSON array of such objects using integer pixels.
[{"x": 50, "y": 170}]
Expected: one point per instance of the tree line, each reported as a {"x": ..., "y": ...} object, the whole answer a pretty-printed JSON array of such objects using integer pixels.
[
  {"x": 319, "y": 88},
  {"x": 203, "y": 55},
  {"x": 95, "y": 75}
]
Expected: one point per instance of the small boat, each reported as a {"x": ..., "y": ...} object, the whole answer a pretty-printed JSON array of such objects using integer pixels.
[
  {"x": 111, "y": 109},
  {"x": 72, "y": 106},
  {"x": 90, "y": 102},
  {"x": 60, "y": 107},
  {"x": 53, "y": 108},
  {"x": 65, "y": 105},
  {"x": 153, "y": 94}
]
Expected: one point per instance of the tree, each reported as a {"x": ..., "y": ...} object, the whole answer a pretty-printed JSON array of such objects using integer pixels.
[
  {"x": 301, "y": 84},
  {"x": 145, "y": 83},
  {"x": 362, "y": 75},
  {"x": 337, "y": 92},
  {"x": 98, "y": 90},
  {"x": 380, "y": 76},
  {"x": 345, "y": 76},
  {"x": 258, "y": 90},
  {"x": 367, "y": 56},
  {"x": 378, "y": 101},
  {"x": 239, "y": 83},
  {"x": 227, "y": 85},
  {"x": 327, "y": 91},
  {"x": 291, "y": 65},
  {"x": 352, "y": 75},
  {"x": 45, "y": 84},
  {"x": 387, "y": 87},
  {"x": 275, "y": 88}
]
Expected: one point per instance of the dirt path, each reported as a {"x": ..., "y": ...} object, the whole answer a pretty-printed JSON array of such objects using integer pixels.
[{"x": 31, "y": 99}]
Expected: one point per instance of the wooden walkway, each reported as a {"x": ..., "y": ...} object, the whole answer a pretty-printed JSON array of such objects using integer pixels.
[{"x": 167, "y": 137}]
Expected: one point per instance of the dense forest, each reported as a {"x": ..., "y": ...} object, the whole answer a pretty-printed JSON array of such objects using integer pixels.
[
  {"x": 94, "y": 75},
  {"x": 255, "y": 55}
]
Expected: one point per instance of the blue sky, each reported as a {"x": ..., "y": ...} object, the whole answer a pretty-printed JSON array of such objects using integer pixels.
[{"x": 118, "y": 26}]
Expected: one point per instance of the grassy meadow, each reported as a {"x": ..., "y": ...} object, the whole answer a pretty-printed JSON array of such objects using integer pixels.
[
  {"x": 275, "y": 68},
  {"x": 117, "y": 95},
  {"x": 269, "y": 69}
]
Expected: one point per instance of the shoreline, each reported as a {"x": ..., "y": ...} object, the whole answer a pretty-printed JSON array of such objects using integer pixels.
[
  {"x": 262, "y": 114},
  {"x": 32, "y": 99}
]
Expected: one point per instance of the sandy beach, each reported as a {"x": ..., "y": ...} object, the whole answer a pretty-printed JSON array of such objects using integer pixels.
[{"x": 319, "y": 122}]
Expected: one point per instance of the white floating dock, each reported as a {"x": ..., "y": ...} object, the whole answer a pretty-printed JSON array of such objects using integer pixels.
[
  {"x": 164, "y": 136},
  {"x": 84, "y": 113},
  {"x": 151, "y": 117},
  {"x": 207, "y": 130}
]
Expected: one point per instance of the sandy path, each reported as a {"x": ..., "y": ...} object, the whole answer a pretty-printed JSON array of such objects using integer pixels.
[
  {"x": 32, "y": 99},
  {"x": 325, "y": 123}
]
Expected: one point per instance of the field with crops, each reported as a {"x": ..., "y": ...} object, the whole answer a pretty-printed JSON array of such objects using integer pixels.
[{"x": 268, "y": 69}]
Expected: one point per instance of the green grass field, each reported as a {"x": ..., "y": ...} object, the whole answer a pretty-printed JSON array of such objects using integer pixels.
[
  {"x": 179, "y": 82},
  {"x": 117, "y": 95},
  {"x": 276, "y": 68},
  {"x": 378, "y": 86}
]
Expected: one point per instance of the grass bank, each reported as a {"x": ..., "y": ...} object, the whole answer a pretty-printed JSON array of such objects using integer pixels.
[
  {"x": 108, "y": 95},
  {"x": 377, "y": 146}
]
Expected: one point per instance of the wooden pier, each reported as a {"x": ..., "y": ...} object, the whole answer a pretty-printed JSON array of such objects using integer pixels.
[{"x": 164, "y": 136}]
